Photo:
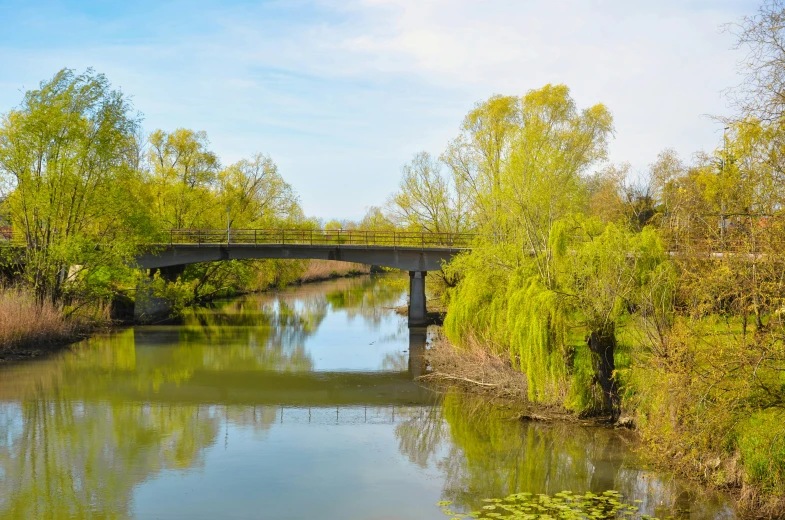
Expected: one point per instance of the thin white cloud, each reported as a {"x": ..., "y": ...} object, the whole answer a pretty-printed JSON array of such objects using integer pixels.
[{"x": 342, "y": 92}]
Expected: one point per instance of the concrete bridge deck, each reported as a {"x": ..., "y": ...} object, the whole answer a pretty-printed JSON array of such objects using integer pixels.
[
  {"x": 408, "y": 251},
  {"x": 405, "y": 258},
  {"x": 416, "y": 252}
]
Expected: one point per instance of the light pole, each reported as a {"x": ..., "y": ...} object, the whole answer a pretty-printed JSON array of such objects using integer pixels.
[
  {"x": 722, "y": 180},
  {"x": 228, "y": 224}
]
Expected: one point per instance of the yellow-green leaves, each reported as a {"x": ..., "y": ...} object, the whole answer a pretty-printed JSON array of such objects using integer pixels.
[
  {"x": 67, "y": 154},
  {"x": 427, "y": 199}
]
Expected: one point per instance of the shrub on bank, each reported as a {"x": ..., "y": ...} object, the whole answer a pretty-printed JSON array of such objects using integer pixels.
[
  {"x": 710, "y": 403},
  {"x": 317, "y": 270},
  {"x": 26, "y": 322}
]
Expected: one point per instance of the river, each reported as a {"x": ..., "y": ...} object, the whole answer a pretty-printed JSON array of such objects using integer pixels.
[{"x": 292, "y": 404}]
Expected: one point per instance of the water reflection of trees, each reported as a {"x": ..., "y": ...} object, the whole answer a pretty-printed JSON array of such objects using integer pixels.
[
  {"x": 483, "y": 453},
  {"x": 368, "y": 297},
  {"x": 66, "y": 451},
  {"x": 66, "y": 459}
]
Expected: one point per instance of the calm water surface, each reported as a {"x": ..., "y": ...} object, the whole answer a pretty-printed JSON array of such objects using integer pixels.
[{"x": 298, "y": 404}]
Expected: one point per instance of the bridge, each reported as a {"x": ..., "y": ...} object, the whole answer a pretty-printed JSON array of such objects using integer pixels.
[{"x": 416, "y": 252}]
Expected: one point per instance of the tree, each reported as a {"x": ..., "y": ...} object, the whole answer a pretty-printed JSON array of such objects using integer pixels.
[
  {"x": 605, "y": 190},
  {"x": 604, "y": 273},
  {"x": 257, "y": 195},
  {"x": 479, "y": 154},
  {"x": 426, "y": 200},
  {"x": 762, "y": 92},
  {"x": 375, "y": 220},
  {"x": 556, "y": 144},
  {"x": 182, "y": 175},
  {"x": 65, "y": 153},
  {"x": 528, "y": 174}
]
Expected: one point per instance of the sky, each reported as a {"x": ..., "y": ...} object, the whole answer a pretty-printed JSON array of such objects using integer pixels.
[{"x": 342, "y": 93}]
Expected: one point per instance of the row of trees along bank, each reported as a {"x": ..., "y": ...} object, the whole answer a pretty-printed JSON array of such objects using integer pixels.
[
  {"x": 657, "y": 294},
  {"x": 661, "y": 298},
  {"x": 84, "y": 187}
]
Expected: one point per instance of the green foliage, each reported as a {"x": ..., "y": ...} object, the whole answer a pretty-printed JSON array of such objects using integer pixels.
[
  {"x": 597, "y": 272},
  {"x": 565, "y": 504},
  {"x": 375, "y": 220},
  {"x": 182, "y": 174},
  {"x": 538, "y": 323},
  {"x": 761, "y": 441},
  {"x": 83, "y": 195},
  {"x": 67, "y": 153}
]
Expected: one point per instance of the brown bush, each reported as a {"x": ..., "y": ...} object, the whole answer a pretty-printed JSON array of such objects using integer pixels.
[
  {"x": 325, "y": 269},
  {"x": 25, "y": 322},
  {"x": 475, "y": 368}
]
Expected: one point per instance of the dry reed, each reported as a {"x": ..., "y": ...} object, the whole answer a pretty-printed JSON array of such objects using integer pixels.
[
  {"x": 318, "y": 270},
  {"x": 476, "y": 368},
  {"x": 25, "y": 323}
]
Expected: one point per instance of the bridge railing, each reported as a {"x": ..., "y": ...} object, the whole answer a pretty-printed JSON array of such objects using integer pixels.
[{"x": 353, "y": 237}]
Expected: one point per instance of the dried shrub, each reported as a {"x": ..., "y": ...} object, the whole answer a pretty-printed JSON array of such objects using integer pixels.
[
  {"x": 475, "y": 368},
  {"x": 25, "y": 322},
  {"x": 325, "y": 269}
]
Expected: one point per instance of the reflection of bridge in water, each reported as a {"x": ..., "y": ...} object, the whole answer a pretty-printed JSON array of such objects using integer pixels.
[
  {"x": 286, "y": 388},
  {"x": 386, "y": 414},
  {"x": 253, "y": 387}
]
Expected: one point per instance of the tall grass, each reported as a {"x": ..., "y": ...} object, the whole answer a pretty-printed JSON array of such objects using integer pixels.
[
  {"x": 326, "y": 269},
  {"x": 26, "y": 323}
]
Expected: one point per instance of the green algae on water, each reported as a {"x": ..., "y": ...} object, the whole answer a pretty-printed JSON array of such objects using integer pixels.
[{"x": 563, "y": 505}]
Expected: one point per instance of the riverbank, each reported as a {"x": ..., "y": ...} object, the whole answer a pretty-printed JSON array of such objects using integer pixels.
[
  {"x": 479, "y": 372},
  {"x": 31, "y": 329},
  {"x": 321, "y": 270}
]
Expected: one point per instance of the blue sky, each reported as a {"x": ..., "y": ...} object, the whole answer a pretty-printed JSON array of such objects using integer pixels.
[{"x": 342, "y": 93}]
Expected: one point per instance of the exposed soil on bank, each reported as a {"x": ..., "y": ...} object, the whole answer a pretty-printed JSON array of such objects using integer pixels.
[{"x": 476, "y": 370}]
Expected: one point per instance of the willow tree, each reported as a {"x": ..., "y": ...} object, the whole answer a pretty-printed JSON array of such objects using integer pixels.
[
  {"x": 525, "y": 159},
  {"x": 67, "y": 154},
  {"x": 604, "y": 271}
]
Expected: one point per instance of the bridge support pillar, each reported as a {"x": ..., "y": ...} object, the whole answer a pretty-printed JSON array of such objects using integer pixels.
[
  {"x": 148, "y": 306},
  {"x": 417, "y": 339},
  {"x": 418, "y": 314}
]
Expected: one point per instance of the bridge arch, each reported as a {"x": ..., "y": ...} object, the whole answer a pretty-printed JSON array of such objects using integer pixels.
[{"x": 415, "y": 252}]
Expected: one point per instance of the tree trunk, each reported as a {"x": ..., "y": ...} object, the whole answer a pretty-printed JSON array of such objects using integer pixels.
[{"x": 602, "y": 343}]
